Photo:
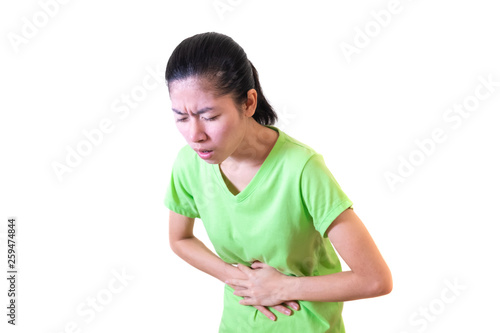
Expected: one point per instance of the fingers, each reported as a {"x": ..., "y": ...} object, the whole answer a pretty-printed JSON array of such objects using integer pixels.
[
  {"x": 240, "y": 292},
  {"x": 244, "y": 268},
  {"x": 236, "y": 283},
  {"x": 246, "y": 301},
  {"x": 266, "y": 312},
  {"x": 283, "y": 309},
  {"x": 293, "y": 304}
]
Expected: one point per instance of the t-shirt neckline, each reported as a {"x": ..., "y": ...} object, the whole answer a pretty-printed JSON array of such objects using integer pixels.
[{"x": 258, "y": 177}]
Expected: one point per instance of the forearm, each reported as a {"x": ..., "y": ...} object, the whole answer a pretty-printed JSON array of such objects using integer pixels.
[
  {"x": 369, "y": 275},
  {"x": 194, "y": 252},
  {"x": 336, "y": 287}
]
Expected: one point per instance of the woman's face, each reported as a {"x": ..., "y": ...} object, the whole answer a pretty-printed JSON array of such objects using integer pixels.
[{"x": 208, "y": 123}]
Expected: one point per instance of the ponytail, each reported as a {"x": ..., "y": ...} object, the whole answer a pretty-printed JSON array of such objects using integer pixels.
[{"x": 264, "y": 114}]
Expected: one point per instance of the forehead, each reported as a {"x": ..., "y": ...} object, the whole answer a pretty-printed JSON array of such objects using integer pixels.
[
  {"x": 190, "y": 88},
  {"x": 195, "y": 93},
  {"x": 191, "y": 83}
]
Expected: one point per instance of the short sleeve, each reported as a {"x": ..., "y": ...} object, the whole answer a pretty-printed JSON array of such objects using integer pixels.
[
  {"x": 179, "y": 197},
  {"x": 321, "y": 194}
]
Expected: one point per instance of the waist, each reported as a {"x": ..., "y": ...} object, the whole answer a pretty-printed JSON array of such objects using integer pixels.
[{"x": 312, "y": 317}]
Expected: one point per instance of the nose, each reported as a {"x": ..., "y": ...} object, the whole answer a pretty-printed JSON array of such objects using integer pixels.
[{"x": 197, "y": 131}]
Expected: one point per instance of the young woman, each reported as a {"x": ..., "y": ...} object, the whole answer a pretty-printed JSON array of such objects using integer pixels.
[{"x": 269, "y": 204}]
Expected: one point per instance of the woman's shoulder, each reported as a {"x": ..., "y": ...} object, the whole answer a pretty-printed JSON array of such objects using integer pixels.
[{"x": 296, "y": 149}]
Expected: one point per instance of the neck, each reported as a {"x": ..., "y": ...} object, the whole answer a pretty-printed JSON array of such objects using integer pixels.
[{"x": 255, "y": 146}]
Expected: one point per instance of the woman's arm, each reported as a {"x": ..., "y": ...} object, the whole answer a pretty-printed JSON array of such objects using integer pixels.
[
  {"x": 193, "y": 251},
  {"x": 369, "y": 275}
]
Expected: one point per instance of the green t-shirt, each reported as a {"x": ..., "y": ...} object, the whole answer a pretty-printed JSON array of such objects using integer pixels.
[{"x": 280, "y": 218}]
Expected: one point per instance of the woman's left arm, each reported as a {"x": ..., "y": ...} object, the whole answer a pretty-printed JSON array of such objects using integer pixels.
[{"x": 369, "y": 275}]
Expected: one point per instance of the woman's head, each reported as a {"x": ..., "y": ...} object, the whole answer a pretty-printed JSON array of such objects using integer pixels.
[
  {"x": 223, "y": 65},
  {"x": 216, "y": 96}
]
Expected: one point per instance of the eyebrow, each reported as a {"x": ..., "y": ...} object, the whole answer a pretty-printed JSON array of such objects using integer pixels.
[{"x": 197, "y": 112}]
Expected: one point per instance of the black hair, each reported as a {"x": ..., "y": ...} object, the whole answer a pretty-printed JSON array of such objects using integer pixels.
[{"x": 224, "y": 63}]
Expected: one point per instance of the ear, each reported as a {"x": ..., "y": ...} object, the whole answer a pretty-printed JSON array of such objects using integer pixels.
[{"x": 250, "y": 105}]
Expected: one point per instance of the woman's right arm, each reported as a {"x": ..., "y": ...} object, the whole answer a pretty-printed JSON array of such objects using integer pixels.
[{"x": 193, "y": 251}]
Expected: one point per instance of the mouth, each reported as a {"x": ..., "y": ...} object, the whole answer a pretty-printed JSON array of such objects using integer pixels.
[{"x": 205, "y": 153}]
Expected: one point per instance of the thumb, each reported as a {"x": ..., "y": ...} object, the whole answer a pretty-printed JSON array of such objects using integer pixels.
[{"x": 243, "y": 268}]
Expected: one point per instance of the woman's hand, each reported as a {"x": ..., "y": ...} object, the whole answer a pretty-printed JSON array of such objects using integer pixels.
[
  {"x": 281, "y": 308},
  {"x": 236, "y": 273},
  {"x": 262, "y": 286},
  {"x": 278, "y": 307}
]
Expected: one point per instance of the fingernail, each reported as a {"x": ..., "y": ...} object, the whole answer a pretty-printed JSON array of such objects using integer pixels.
[
  {"x": 271, "y": 317},
  {"x": 288, "y": 312},
  {"x": 295, "y": 306}
]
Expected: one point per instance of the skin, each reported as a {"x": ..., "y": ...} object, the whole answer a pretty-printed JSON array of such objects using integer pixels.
[
  {"x": 240, "y": 146},
  {"x": 369, "y": 275},
  {"x": 239, "y": 143}
]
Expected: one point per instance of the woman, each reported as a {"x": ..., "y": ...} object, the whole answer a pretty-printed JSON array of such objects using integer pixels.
[{"x": 271, "y": 207}]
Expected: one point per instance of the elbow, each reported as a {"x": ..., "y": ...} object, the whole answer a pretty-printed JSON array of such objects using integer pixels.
[
  {"x": 177, "y": 245},
  {"x": 384, "y": 287},
  {"x": 381, "y": 285},
  {"x": 174, "y": 242},
  {"x": 174, "y": 246}
]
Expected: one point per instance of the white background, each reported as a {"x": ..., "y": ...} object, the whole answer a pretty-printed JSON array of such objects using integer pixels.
[{"x": 362, "y": 112}]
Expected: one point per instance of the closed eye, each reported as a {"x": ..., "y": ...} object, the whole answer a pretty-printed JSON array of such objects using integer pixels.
[
  {"x": 211, "y": 119},
  {"x": 207, "y": 119}
]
